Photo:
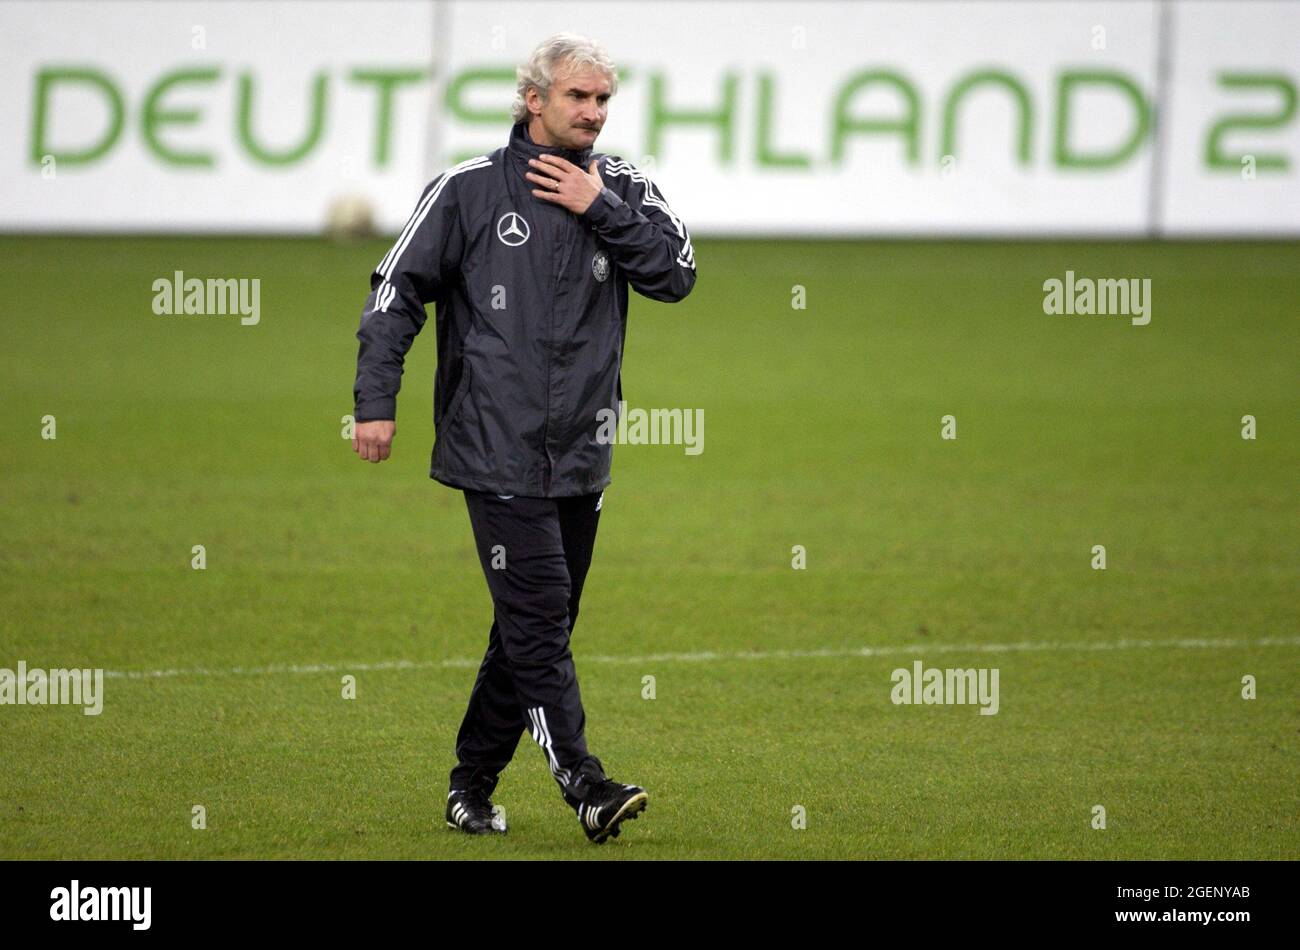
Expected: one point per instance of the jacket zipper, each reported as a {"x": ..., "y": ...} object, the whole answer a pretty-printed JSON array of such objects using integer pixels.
[
  {"x": 548, "y": 470},
  {"x": 567, "y": 241}
]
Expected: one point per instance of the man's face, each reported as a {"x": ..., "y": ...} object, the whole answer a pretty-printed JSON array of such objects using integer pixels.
[{"x": 574, "y": 112}]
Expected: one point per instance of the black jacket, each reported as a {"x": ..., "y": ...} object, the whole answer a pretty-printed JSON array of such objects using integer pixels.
[{"x": 531, "y": 311}]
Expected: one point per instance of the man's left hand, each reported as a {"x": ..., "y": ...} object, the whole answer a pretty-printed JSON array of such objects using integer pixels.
[{"x": 564, "y": 183}]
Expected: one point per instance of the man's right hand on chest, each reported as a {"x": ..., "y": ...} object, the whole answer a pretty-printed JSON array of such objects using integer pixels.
[{"x": 372, "y": 441}]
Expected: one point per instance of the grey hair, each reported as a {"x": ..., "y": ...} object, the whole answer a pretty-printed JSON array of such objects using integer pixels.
[{"x": 562, "y": 49}]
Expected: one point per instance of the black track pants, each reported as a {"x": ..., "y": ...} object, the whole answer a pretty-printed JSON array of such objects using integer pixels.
[{"x": 535, "y": 553}]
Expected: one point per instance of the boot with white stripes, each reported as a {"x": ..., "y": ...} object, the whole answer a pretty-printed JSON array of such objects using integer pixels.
[
  {"x": 606, "y": 806},
  {"x": 471, "y": 811}
]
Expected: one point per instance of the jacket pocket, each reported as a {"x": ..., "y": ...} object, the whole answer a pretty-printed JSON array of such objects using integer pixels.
[{"x": 457, "y": 399}]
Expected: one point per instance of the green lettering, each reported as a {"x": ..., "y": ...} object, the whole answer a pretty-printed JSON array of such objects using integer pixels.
[
  {"x": 660, "y": 117},
  {"x": 155, "y": 116},
  {"x": 456, "y": 90},
  {"x": 767, "y": 157},
  {"x": 46, "y": 80},
  {"x": 983, "y": 77},
  {"x": 906, "y": 124},
  {"x": 1214, "y": 156},
  {"x": 1066, "y": 156},
  {"x": 288, "y": 156},
  {"x": 386, "y": 82}
]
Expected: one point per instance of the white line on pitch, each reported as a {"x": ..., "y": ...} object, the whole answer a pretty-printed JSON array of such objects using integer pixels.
[{"x": 704, "y": 657}]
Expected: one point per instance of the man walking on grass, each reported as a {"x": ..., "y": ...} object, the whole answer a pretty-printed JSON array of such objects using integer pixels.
[{"x": 527, "y": 254}]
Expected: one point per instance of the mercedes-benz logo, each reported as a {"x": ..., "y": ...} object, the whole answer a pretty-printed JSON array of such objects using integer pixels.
[{"x": 512, "y": 229}]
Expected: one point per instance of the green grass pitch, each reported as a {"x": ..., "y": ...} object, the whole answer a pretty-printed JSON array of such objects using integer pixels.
[{"x": 1122, "y": 689}]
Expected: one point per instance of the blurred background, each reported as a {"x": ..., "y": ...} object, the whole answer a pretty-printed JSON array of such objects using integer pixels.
[{"x": 919, "y": 118}]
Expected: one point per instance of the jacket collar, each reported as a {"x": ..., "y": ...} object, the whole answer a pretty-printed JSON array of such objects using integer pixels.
[{"x": 523, "y": 148}]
